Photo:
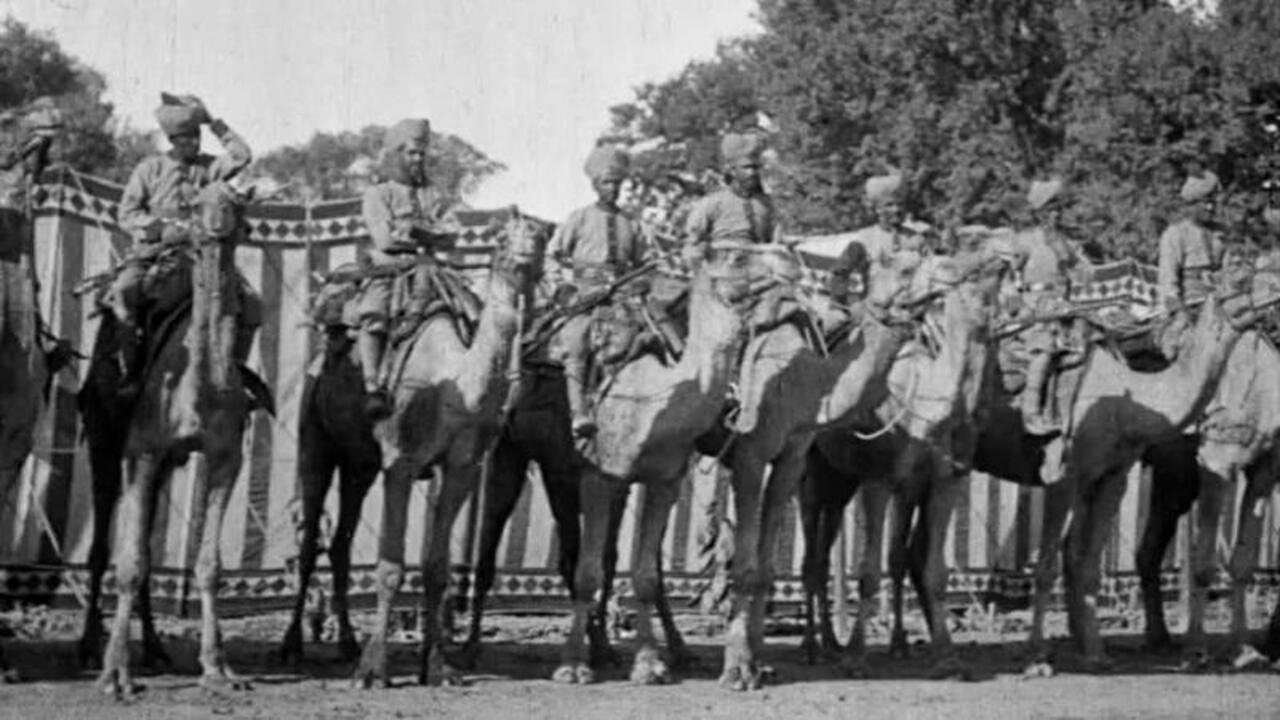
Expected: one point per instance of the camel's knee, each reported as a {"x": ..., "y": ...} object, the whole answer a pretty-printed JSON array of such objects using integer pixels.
[
  {"x": 1203, "y": 578},
  {"x": 1240, "y": 567},
  {"x": 647, "y": 586},
  {"x": 815, "y": 574},
  {"x": 129, "y": 579},
  {"x": 206, "y": 575},
  {"x": 390, "y": 576}
]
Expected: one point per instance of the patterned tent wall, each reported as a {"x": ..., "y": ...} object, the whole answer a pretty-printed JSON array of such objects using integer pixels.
[{"x": 42, "y": 553}]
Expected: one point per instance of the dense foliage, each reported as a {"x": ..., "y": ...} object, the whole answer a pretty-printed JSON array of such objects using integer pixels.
[{"x": 972, "y": 99}]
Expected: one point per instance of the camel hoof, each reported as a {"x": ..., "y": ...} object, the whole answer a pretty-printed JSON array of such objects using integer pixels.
[
  {"x": 220, "y": 683},
  {"x": 855, "y": 668},
  {"x": 898, "y": 646},
  {"x": 1042, "y": 669},
  {"x": 681, "y": 658},
  {"x": 1099, "y": 664},
  {"x": 117, "y": 685},
  {"x": 649, "y": 669},
  {"x": 741, "y": 679},
  {"x": 950, "y": 668},
  {"x": 1198, "y": 660},
  {"x": 1160, "y": 644},
  {"x": 574, "y": 674},
  {"x": 445, "y": 676},
  {"x": 467, "y": 656},
  {"x": 605, "y": 656},
  {"x": 1248, "y": 657},
  {"x": 9, "y": 676}
]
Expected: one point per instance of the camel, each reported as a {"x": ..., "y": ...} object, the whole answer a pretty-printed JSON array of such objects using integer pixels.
[
  {"x": 334, "y": 433},
  {"x": 921, "y": 423},
  {"x": 25, "y": 369},
  {"x": 1117, "y": 415},
  {"x": 538, "y": 430},
  {"x": 448, "y": 403},
  {"x": 789, "y": 395},
  {"x": 193, "y": 406},
  {"x": 1238, "y": 434},
  {"x": 650, "y": 416}
]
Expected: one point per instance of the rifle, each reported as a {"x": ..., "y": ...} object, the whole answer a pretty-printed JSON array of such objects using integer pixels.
[{"x": 562, "y": 316}]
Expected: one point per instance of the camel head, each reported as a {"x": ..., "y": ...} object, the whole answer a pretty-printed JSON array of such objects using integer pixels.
[{"x": 521, "y": 248}]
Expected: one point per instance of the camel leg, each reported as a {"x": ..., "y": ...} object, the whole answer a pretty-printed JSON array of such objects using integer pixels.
[
  {"x": 1244, "y": 555},
  {"x": 154, "y": 656},
  {"x": 648, "y": 668},
  {"x": 354, "y": 482},
  {"x": 740, "y": 669},
  {"x": 1058, "y": 500},
  {"x": 396, "y": 483},
  {"x": 875, "y": 502},
  {"x": 221, "y": 468},
  {"x": 823, "y": 493},
  {"x": 1089, "y": 536},
  {"x": 460, "y": 478},
  {"x": 133, "y": 555},
  {"x": 598, "y": 499},
  {"x": 1216, "y": 494},
  {"x": 505, "y": 481},
  {"x": 1175, "y": 483},
  {"x": 105, "y": 466},
  {"x": 932, "y": 566},
  {"x": 602, "y": 652},
  {"x": 679, "y": 655},
  {"x": 902, "y": 510},
  {"x": 315, "y": 474}
]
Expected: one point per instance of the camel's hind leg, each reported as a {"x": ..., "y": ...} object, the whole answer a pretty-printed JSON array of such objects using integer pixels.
[
  {"x": 598, "y": 498},
  {"x": 740, "y": 669},
  {"x": 1089, "y": 534},
  {"x": 105, "y": 467},
  {"x": 655, "y": 506},
  {"x": 221, "y": 468},
  {"x": 504, "y": 482},
  {"x": 459, "y": 479},
  {"x": 823, "y": 493},
  {"x": 1175, "y": 482},
  {"x": 875, "y": 504},
  {"x": 133, "y": 557},
  {"x": 905, "y": 502}
]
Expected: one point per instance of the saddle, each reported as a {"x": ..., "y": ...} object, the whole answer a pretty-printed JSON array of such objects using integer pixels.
[{"x": 421, "y": 288}]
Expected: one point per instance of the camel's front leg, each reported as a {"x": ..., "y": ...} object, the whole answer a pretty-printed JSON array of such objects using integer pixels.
[
  {"x": 1058, "y": 501},
  {"x": 740, "y": 669},
  {"x": 1216, "y": 495},
  {"x": 655, "y": 507},
  {"x": 598, "y": 497},
  {"x": 316, "y": 463},
  {"x": 221, "y": 469},
  {"x": 354, "y": 483},
  {"x": 460, "y": 477},
  {"x": 1244, "y": 558},
  {"x": 875, "y": 504},
  {"x": 105, "y": 465},
  {"x": 932, "y": 563},
  {"x": 396, "y": 484},
  {"x": 133, "y": 557}
]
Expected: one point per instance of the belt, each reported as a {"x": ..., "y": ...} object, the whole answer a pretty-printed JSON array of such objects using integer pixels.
[{"x": 1045, "y": 287}]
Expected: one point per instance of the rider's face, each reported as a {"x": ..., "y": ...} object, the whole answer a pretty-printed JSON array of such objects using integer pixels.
[
  {"x": 888, "y": 214},
  {"x": 413, "y": 163},
  {"x": 607, "y": 189},
  {"x": 186, "y": 146},
  {"x": 744, "y": 177}
]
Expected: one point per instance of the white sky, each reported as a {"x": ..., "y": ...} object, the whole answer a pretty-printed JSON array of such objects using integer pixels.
[{"x": 527, "y": 81}]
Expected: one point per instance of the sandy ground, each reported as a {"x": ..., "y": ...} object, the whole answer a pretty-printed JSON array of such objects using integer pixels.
[{"x": 511, "y": 682}]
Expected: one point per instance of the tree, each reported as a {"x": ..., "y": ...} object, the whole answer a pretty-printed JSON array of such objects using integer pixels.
[
  {"x": 320, "y": 168},
  {"x": 34, "y": 65}
]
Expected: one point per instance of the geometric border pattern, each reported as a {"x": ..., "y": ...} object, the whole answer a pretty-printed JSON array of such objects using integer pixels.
[{"x": 247, "y": 593}]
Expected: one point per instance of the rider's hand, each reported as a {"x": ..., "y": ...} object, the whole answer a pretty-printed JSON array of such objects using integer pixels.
[{"x": 173, "y": 234}]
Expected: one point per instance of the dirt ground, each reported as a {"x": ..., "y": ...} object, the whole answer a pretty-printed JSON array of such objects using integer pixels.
[{"x": 511, "y": 681}]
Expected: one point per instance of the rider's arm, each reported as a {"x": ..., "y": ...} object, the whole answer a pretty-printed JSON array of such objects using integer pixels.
[
  {"x": 1168, "y": 280},
  {"x": 237, "y": 156},
  {"x": 135, "y": 203},
  {"x": 388, "y": 235}
]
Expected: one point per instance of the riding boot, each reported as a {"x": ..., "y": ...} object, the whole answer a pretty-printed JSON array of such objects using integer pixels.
[
  {"x": 370, "y": 346},
  {"x": 1033, "y": 397},
  {"x": 577, "y": 375}
]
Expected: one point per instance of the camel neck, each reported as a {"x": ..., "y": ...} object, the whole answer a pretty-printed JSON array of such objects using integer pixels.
[
  {"x": 858, "y": 373},
  {"x": 213, "y": 312},
  {"x": 715, "y": 336}
]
